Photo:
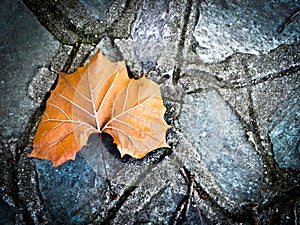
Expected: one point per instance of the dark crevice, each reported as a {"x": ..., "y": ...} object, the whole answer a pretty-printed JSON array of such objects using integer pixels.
[
  {"x": 20, "y": 180},
  {"x": 234, "y": 85},
  {"x": 289, "y": 20},
  {"x": 71, "y": 58},
  {"x": 282, "y": 202},
  {"x": 243, "y": 215},
  {"x": 113, "y": 211},
  {"x": 254, "y": 128},
  {"x": 180, "y": 215},
  {"x": 286, "y": 72},
  {"x": 153, "y": 197},
  {"x": 198, "y": 90},
  {"x": 176, "y": 74},
  {"x": 184, "y": 29}
]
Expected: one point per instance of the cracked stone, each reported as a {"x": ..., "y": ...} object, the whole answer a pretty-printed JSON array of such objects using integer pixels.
[
  {"x": 220, "y": 140},
  {"x": 222, "y": 113},
  {"x": 257, "y": 24}
]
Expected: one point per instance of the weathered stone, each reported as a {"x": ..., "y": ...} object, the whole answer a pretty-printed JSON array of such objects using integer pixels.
[
  {"x": 285, "y": 134},
  {"x": 226, "y": 27},
  {"x": 156, "y": 36},
  {"x": 222, "y": 114},
  {"x": 208, "y": 123},
  {"x": 108, "y": 48},
  {"x": 22, "y": 54},
  {"x": 159, "y": 178},
  {"x": 243, "y": 70},
  {"x": 68, "y": 21},
  {"x": 148, "y": 32},
  {"x": 82, "y": 53},
  {"x": 97, "y": 8},
  {"x": 239, "y": 74},
  {"x": 40, "y": 84},
  {"x": 268, "y": 96}
]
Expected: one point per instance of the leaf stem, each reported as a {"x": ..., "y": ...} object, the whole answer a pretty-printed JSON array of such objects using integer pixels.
[{"x": 112, "y": 194}]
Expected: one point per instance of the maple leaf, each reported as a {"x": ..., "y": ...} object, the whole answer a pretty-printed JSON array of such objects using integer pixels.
[{"x": 96, "y": 98}]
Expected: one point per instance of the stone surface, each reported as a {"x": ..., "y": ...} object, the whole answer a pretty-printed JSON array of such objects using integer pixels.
[
  {"x": 97, "y": 8},
  {"x": 22, "y": 54},
  {"x": 148, "y": 37},
  {"x": 7, "y": 214},
  {"x": 234, "y": 137},
  {"x": 226, "y": 27},
  {"x": 210, "y": 125},
  {"x": 285, "y": 133}
]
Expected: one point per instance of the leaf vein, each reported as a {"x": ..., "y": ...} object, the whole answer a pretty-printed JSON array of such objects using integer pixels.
[
  {"x": 76, "y": 89},
  {"x": 78, "y": 106},
  {"x": 145, "y": 133},
  {"x": 63, "y": 137},
  {"x": 130, "y": 109},
  {"x": 107, "y": 93},
  {"x": 60, "y": 109}
]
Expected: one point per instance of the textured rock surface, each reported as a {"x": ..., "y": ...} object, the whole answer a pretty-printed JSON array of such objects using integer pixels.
[
  {"x": 97, "y": 8},
  {"x": 235, "y": 135},
  {"x": 149, "y": 32},
  {"x": 227, "y": 26},
  {"x": 210, "y": 125},
  {"x": 22, "y": 54},
  {"x": 285, "y": 133}
]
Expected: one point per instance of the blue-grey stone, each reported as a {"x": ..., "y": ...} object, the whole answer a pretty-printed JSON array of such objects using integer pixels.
[
  {"x": 215, "y": 131},
  {"x": 74, "y": 192},
  {"x": 148, "y": 32},
  {"x": 97, "y": 8},
  {"x": 285, "y": 132},
  {"x": 7, "y": 214},
  {"x": 25, "y": 47},
  {"x": 229, "y": 26},
  {"x": 69, "y": 192}
]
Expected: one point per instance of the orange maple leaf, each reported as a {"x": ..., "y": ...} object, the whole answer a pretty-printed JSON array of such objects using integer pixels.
[{"x": 96, "y": 98}]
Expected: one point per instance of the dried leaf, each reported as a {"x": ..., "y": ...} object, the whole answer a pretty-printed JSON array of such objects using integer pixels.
[{"x": 96, "y": 98}]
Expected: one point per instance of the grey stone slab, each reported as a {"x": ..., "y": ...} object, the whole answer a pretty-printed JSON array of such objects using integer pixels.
[
  {"x": 156, "y": 36},
  {"x": 7, "y": 214},
  {"x": 209, "y": 139},
  {"x": 148, "y": 32},
  {"x": 67, "y": 191},
  {"x": 26, "y": 46},
  {"x": 77, "y": 191},
  {"x": 239, "y": 74},
  {"x": 269, "y": 96},
  {"x": 97, "y": 8},
  {"x": 74, "y": 192},
  {"x": 226, "y": 27},
  {"x": 209, "y": 124},
  {"x": 242, "y": 70},
  {"x": 159, "y": 178},
  {"x": 285, "y": 132}
]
